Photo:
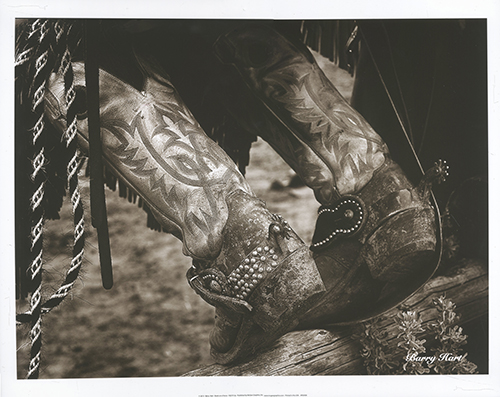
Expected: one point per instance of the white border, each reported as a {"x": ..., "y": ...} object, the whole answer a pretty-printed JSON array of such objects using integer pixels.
[{"x": 485, "y": 385}]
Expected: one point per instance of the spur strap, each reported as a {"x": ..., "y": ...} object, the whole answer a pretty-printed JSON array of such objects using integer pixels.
[{"x": 233, "y": 291}]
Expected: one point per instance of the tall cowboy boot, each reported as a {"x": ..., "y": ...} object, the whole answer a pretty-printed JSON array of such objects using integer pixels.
[
  {"x": 376, "y": 237},
  {"x": 247, "y": 262}
]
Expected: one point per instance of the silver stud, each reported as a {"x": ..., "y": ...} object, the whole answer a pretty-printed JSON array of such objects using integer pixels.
[
  {"x": 269, "y": 269},
  {"x": 255, "y": 253},
  {"x": 274, "y": 264},
  {"x": 271, "y": 251},
  {"x": 215, "y": 286},
  {"x": 263, "y": 258},
  {"x": 266, "y": 248},
  {"x": 259, "y": 249},
  {"x": 251, "y": 271},
  {"x": 255, "y": 266},
  {"x": 247, "y": 267},
  {"x": 261, "y": 269},
  {"x": 247, "y": 260},
  {"x": 246, "y": 285},
  {"x": 260, "y": 276},
  {"x": 244, "y": 294},
  {"x": 275, "y": 257},
  {"x": 246, "y": 276},
  {"x": 253, "y": 260}
]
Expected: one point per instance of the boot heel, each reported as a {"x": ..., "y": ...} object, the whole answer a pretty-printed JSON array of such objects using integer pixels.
[{"x": 403, "y": 246}]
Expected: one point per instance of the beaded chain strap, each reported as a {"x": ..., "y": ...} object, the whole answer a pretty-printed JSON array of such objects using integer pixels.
[{"x": 44, "y": 42}]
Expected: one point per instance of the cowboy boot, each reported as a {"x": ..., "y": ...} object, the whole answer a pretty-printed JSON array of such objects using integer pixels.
[
  {"x": 376, "y": 235},
  {"x": 247, "y": 262}
]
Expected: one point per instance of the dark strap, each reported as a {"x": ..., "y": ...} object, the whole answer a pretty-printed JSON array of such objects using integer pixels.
[{"x": 97, "y": 197}]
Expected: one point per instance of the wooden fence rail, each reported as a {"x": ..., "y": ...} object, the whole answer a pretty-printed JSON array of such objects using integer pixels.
[{"x": 334, "y": 351}]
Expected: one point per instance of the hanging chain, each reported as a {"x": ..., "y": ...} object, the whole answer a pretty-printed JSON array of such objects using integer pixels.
[
  {"x": 72, "y": 177},
  {"x": 47, "y": 40},
  {"x": 39, "y": 40}
]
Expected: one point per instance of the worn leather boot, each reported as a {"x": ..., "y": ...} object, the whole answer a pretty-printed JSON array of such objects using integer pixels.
[
  {"x": 247, "y": 262},
  {"x": 377, "y": 235}
]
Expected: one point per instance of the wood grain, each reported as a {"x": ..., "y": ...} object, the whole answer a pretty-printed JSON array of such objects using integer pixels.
[{"x": 334, "y": 351}]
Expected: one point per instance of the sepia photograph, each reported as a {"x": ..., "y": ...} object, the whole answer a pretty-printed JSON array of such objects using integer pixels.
[{"x": 249, "y": 206}]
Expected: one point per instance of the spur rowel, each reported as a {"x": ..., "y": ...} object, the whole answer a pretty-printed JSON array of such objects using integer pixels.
[
  {"x": 247, "y": 262},
  {"x": 377, "y": 236}
]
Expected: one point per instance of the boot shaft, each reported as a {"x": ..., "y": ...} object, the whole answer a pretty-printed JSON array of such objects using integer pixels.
[
  {"x": 153, "y": 143},
  {"x": 328, "y": 143}
]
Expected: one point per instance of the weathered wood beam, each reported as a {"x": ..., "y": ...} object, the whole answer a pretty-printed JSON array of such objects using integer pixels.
[{"x": 334, "y": 351}]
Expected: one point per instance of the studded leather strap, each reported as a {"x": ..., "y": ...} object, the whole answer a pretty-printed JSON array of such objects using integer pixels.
[{"x": 233, "y": 291}]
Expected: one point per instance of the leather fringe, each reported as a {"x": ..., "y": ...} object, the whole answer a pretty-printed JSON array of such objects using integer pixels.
[{"x": 335, "y": 40}]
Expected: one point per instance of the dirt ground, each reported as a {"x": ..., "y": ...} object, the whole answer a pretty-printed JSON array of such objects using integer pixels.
[{"x": 151, "y": 323}]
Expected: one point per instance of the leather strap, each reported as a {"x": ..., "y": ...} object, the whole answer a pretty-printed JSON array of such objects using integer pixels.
[
  {"x": 196, "y": 281},
  {"x": 97, "y": 197}
]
